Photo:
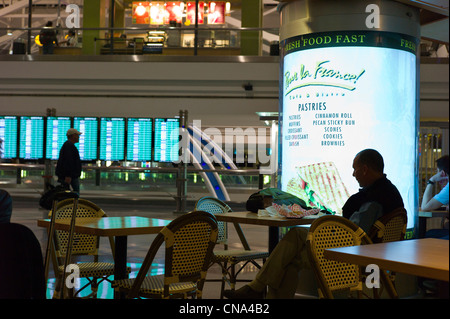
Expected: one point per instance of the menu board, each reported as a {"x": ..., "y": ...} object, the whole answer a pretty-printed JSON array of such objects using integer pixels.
[
  {"x": 174, "y": 11},
  {"x": 166, "y": 140},
  {"x": 56, "y": 135},
  {"x": 112, "y": 138},
  {"x": 343, "y": 92},
  {"x": 8, "y": 136},
  {"x": 87, "y": 145},
  {"x": 31, "y": 144},
  {"x": 139, "y": 139},
  {"x": 216, "y": 12},
  {"x": 140, "y": 12},
  {"x": 190, "y": 12},
  {"x": 157, "y": 12}
]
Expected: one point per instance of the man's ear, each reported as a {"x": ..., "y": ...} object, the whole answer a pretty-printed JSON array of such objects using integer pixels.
[{"x": 365, "y": 169}]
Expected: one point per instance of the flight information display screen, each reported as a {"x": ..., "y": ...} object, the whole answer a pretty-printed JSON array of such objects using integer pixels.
[
  {"x": 56, "y": 135},
  {"x": 139, "y": 139},
  {"x": 8, "y": 136},
  {"x": 87, "y": 146},
  {"x": 112, "y": 138},
  {"x": 31, "y": 145},
  {"x": 166, "y": 140}
]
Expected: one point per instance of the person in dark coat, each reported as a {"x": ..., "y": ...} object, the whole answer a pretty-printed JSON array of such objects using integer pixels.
[
  {"x": 48, "y": 38},
  {"x": 68, "y": 167}
]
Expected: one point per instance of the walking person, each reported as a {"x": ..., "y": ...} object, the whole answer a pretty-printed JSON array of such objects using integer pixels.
[{"x": 68, "y": 167}]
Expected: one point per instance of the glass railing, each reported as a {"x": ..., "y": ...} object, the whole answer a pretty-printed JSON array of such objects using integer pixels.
[
  {"x": 31, "y": 178},
  {"x": 157, "y": 41},
  {"x": 163, "y": 40}
]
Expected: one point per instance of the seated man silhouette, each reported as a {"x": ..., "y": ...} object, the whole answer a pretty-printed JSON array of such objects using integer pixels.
[{"x": 377, "y": 196}]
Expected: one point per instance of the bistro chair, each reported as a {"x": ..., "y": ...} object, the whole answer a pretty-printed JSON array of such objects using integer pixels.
[
  {"x": 389, "y": 227},
  {"x": 334, "y": 276},
  {"x": 83, "y": 245},
  {"x": 228, "y": 259},
  {"x": 21, "y": 263},
  {"x": 189, "y": 241}
]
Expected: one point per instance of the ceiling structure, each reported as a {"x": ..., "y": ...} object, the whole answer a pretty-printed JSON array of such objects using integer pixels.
[
  {"x": 433, "y": 19},
  {"x": 14, "y": 14}
]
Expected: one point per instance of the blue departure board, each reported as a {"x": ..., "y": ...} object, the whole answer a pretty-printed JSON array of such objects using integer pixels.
[
  {"x": 31, "y": 145},
  {"x": 139, "y": 139},
  {"x": 112, "y": 138},
  {"x": 166, "y": 140},
  {"x": 8, "y": 135},
  {"x": 56, "y": 135},
  {"x": 87, "y": 145}
]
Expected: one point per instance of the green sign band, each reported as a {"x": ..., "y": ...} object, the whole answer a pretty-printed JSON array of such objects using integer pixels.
[{"x": 350, "y": 38}]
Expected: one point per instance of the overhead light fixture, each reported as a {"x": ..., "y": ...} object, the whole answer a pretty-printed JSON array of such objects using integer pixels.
[
  {"x": 140, "y": 10},
  {"x": 268, "y": 116}
]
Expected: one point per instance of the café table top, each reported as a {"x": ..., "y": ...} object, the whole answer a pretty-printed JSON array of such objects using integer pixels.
[
  {"x": 110, "y": 226},
  {"x": 247, "y": 217},
  {"x": 427, "y": 257},
  {"x": 433, "y": 213}
]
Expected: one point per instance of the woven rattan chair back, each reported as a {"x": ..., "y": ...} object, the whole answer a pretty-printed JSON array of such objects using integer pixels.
[
  {"x": 390, "y": 227},
  {"x": 333, "y": 232},
  {"x": 189, "y": 241},
  {"x": 231, "y": 261},
  {"x": 215, "y": 206},
  {"x": 82, "y": 244}
]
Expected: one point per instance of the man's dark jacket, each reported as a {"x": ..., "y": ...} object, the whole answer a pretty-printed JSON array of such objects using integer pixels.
[
  {"x": 69, "y": 163},
  {"x": 382, "y": 191}
]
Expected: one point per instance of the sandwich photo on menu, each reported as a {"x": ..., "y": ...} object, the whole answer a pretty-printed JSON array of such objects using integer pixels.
[{"x": 320, "y": 186}]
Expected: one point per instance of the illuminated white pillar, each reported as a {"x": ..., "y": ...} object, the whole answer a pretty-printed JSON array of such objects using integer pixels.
[{"x": 349, "y": 80}]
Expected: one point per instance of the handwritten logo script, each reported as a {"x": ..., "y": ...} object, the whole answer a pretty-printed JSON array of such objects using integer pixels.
[{"x": 322, "y": 75}]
